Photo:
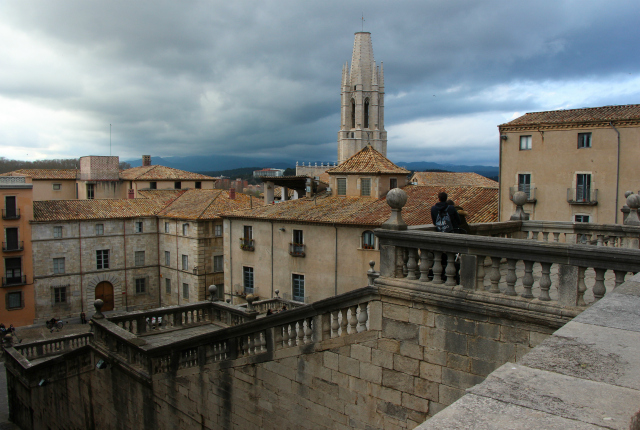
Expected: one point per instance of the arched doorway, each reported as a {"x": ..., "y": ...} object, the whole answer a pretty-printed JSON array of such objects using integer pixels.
[{"x": 104, "y": 291}]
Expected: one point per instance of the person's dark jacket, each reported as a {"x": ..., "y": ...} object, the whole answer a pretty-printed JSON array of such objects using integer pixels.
[{"x": 453, "y": 213}]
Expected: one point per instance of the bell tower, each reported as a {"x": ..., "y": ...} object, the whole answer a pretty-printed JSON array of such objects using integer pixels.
[{"x": 362, "y": 102}]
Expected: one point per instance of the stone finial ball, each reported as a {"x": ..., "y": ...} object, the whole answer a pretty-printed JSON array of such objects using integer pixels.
[
  {"x": 251, "y": 298},
  {"x": 397, "y": 198},
  {"x": 213, "y": 289},
  {"x": 372, "y": 264},
  {"x": 627, "y": 194},
  {"x": 633, "y": 201},
  {"x": 519, "y": 198},
  {"x": 98, "y": 304}
]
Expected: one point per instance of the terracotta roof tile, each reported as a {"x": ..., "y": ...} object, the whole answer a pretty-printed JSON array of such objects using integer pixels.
[
  {"x": 44, "y": 174},
  {"x": 481, "y": 204},
  {"x": 71, "y": 210},
  {"x": 604, "y": 113},
  {"x": 160, "y": 173},
  {"x": 206, "y": 204},
  {"x": 452, "y": 179},
  {"x": 368, "y": 160}
]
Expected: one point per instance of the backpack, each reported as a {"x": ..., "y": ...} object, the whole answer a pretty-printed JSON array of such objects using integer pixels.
[{"x": 443, "y": 221}]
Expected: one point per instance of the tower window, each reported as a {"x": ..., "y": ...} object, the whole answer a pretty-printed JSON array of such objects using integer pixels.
[
  {"x": 366, "y": 113},
  {"x": 353, "y": 113}
]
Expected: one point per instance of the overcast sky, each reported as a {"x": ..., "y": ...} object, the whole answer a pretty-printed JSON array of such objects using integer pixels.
[{"x": 263, "y": 77}]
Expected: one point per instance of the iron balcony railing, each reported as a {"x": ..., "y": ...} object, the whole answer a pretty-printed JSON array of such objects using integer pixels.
[
  {"x": 12, "y": 246},
  {"x": 247, "y": 244},
  {"x": 11, "y": 213},
  {"x": 296, "y": 249},
  {"x": 14, "y": 281},
  {"x": 582, "y": 195}
]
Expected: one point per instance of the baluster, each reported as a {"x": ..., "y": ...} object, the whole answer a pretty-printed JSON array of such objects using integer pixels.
[
  {"x": 285, "y": 335},
  {"x": 534, "y": 235},
  {"x": 425, "y": 265},
  {"x": 437, "y": 267},
  {"x": 263, "y": 342},
  {"x": 511, "y": 277},
  {"x": 495, "y": 275},
  {"x": 556, "y": 236},
  {"x": 527, "y": 279},
  {"x": 308, "y": 332},
  {"x": 545, "y": 236},
  {"x": 450, "y": 270},
  {"x": 620, "y": 275},
  {"x": 277, "y": 337},
  {"x": 545, "y": 282},
  {"x": 405, "y": 260},
  {"x": 335, "y": 325},
  {"x": 598, "y": 287},
  {"x": 344, "y": 321},
  {"x": 582, "y": 287},
  {"x": 399, "y": 260},
  {"x": 362, "y": 317},
  {"x": 412, "y": 264},
  {"x": 300, "y": 326},
  {"x": 353, "y": 320},
  {"x": 600, "y": 241},
  {"x": 480, "y": 272}
]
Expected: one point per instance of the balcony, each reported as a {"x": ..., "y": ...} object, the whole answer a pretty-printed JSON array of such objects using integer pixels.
[
  {"x": 14, "y": 281},
  {"x": 12, "y": 246},
  {"x": 582, "y": 196},
  {"x": 529, "y": 190},
  {"x": 247, "y": 244},
  {"x": 296, "y": 249},
  {"x": 11, "y": 213}
]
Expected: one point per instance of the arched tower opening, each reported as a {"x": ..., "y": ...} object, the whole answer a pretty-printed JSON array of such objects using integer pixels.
[
  {"x": 353, "y": 113},
  {"x": 366, "y": 113}
]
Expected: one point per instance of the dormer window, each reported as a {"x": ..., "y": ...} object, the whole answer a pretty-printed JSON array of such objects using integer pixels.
[{"x": 153, "y": 185}]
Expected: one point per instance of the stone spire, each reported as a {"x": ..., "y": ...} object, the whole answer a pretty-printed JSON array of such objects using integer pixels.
[{"x": 362, "y": 107}]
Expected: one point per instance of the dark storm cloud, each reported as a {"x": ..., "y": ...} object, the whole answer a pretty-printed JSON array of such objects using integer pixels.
[{"x": 196, "y": 77}]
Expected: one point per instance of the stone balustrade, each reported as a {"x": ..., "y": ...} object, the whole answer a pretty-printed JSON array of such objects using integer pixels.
[
  {"x": 45, "y": 348},
  {"x": 175, "y": 317},
  {"x": 275, "y": 304},
  {"x": 611, "y": 235},
  {"x": 417, "y": 256}
]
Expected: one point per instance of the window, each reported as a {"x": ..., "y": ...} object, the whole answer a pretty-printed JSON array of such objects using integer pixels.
[
  {"x": 393, "y": 183},
  {"x": 58, "y": 266},
  {"x": 218, "y": 261},
  {"x": 12, "y": 243},
  {"x": 353, "y": 114},
  {"x": 198, "y": 185},
  {"x": 14, "y": 300},
  {"x": 139, "y": 258},
  {"x": 57, "y": 232},
  {"x": 584, "y": 140},
  {"x": 366, "y": 113},
  {"x": 368, "y": 240},
  {"x": 218, "y": 230},
  {"x": 185, "y": 262},
  {"x": 185, "y": 291},
  {"x": 525, "y": 142},
  {"x": 298, "y": 237},
  {"x": 56, "y": 187},
  {"x": 177, "y": 185},
  {"x": 298, "y": 287},
  {"x": 167, "y": 286},
  {"x": 247, "y": 279},
  {"x": 297, "y": 246},
  {"x": 342, "y": 186},
  {"x": 138, "y": 226},
  {"x": 524, "y": 184},
  {"x": 153, "y": 185},
  {"x": 166, "y": 227},
  {"x": 167, "y": 258},
  {"x": 583, "y": 187},
  {"x": 185, "y": 229},
  {"x": 60, "y": 295},
  {"x": 102, "y": 259},
  {"x": 248, "y": 232},
  {"x": 10, "y": 208},
  {"x": 99, "y": 229},
  {"x": 13, "y": 270},
  {"x": 90, "y": 191},
  {"x": 141, "y": 286},
  {"x": 365, "y": 187},
  {"x": 582, "y": 218}
]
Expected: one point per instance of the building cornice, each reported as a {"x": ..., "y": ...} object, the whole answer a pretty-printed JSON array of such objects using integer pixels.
[{"x": 568, "y": 125}]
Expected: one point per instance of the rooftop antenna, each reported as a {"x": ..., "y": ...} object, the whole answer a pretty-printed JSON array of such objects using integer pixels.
[
  {"x": 362, "y": 21},
  {"x": 109, "y": 140}
]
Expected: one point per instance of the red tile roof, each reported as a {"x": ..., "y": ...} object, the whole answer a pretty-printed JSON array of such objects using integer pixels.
[
  {"x": 598, "y": 114},
  {"x": 452, "y": 179},
  {"x": 161, "y": 173},
  {"x": 206, "y": 204},
  {"x": 73, "y": 210},
  {"x": 481, "y": 204},
  {"x": 368, "y": 160},
  {"x": 44, "y": 174}
]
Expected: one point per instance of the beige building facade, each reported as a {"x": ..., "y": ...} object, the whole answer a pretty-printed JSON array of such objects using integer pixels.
[{"x": 575, "y": 165}]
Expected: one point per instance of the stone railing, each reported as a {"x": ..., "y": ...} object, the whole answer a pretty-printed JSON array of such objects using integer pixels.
[
  {"x": 50, "y": 347},
  {"x": 275, "y": 304},
  {"x": 175, "y": 317},
  {"x": 327, "y": 319},
  {"x": 611, "y": 235},
  {"x": 417, "y": 256}
]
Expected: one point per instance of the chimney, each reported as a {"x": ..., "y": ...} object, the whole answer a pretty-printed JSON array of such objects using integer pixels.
[
  {"x": 146, "y": 160},
  {"x": 232, "y": 193}
]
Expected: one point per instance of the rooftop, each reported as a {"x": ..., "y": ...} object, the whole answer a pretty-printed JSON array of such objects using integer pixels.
[
  {"x": 597, "y": 114},
  {"x": 206, "y": 204},
  {"x": 160, "y": 173},
  {"x": 368, "y": 160},
  {"x": 453, "y": 179},
  {"x": 44, "y": 174}
]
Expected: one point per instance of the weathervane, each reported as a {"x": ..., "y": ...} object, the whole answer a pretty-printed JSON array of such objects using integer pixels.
[{"x": 362, "y": 21}]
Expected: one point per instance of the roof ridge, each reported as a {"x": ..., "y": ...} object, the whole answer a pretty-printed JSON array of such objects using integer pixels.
[{"x": 210, "y": 202}]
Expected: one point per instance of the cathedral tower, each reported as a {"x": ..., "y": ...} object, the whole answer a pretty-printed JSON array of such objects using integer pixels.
[{"x": 362, "y": 95}]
